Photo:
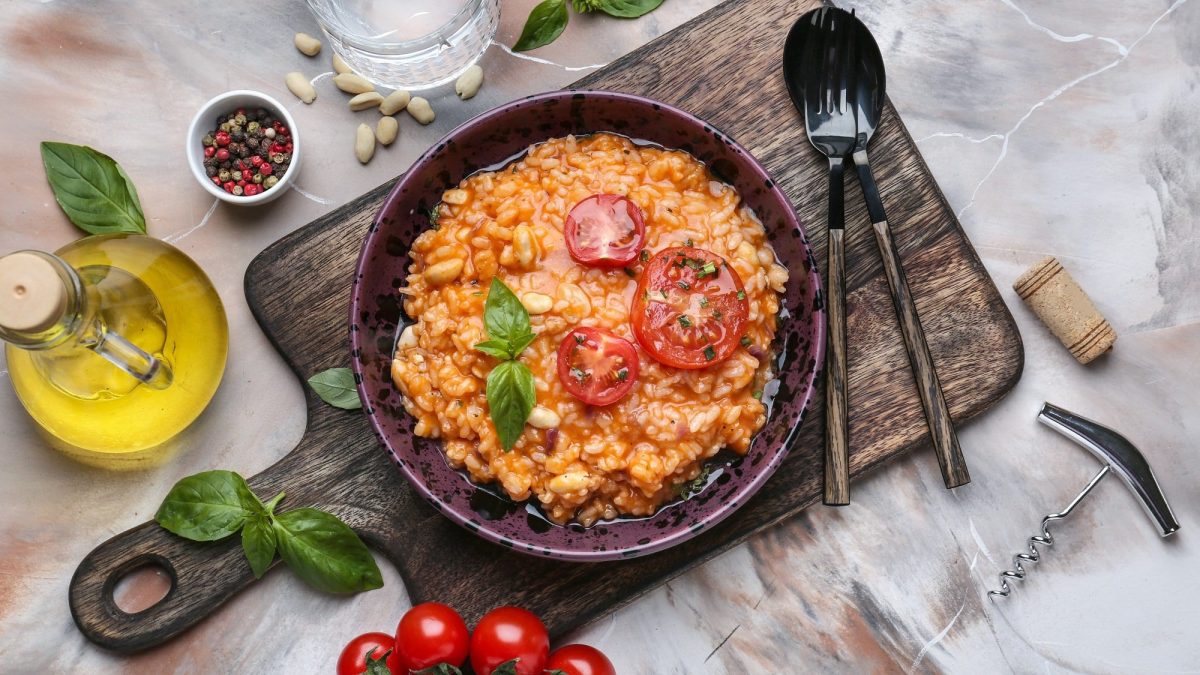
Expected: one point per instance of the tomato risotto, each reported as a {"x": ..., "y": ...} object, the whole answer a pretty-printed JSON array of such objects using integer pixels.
[{"x": 651, "y": 295}]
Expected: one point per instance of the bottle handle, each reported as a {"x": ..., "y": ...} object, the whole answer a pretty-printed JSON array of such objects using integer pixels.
[{"x": 146, "y": 368}]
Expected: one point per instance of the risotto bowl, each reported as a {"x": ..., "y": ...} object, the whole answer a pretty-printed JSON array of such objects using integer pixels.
[{"x": 727, "y": 480}]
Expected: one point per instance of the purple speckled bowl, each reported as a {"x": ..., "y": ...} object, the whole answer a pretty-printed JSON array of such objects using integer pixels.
[{"x": 376, "y": 314}]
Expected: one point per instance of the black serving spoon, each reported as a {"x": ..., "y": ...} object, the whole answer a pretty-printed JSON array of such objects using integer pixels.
[
  {"x": 867, "y": 102},
  {"x": 819, "y": 70}
]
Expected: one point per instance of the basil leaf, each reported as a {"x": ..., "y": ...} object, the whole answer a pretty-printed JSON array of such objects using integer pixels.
[
  {"x": 521, "y": 343},
  {"x": 627, "y": 9},
  {"x": 92, "y": 189},
  {"x": 496, "y": 348},
  {"x": 336, "y": 387},
  {"x": 545, "y": 23},
  {"x": 504, "y": 317},
  {"x": 258, "y": 541},
  {"x": 510, "y": 397},
  {"x": 207, "y": 506},
  {"x": 325, "y": 552}
]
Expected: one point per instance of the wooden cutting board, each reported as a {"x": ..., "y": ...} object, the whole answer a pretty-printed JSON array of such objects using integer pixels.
[{"x": 724, "y": 67}]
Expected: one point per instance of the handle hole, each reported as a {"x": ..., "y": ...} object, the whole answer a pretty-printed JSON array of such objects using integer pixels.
[{"x": 142, "y": 587}]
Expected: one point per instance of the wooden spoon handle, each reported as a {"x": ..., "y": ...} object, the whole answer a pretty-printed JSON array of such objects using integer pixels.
[
  {"x": 203, "y": 576},
  {"x": 837, "y": 436},
  {"x": 937, "y": 414}
]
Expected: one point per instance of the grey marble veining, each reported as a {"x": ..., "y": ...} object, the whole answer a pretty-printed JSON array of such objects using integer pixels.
[{"x": 1053, "y": 127}]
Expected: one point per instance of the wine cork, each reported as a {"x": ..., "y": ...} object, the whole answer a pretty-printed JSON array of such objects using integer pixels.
[{"x": 1065, "y": 309}]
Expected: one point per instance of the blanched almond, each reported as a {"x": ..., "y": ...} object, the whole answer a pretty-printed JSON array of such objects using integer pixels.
[
  {"x": 469, "y": 82},
  {"x": 395, "y": 102},
  {"x": 352, "y": 83},
  {"x": 386, "y": 130},
  {"x": 420, "y": 110},
  {"x": 368, "y": 99},
  {"x": 364, "y": 143},
  {"x": 307, "y": 44},
  {"x": 299, "y": 85},
  {"x": 339, "y": 66}
]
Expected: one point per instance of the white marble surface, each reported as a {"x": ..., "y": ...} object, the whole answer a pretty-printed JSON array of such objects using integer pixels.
[{"x": 1054, "y": 127}]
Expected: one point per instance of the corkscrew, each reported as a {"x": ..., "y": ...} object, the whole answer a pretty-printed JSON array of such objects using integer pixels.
[{"x": 1120, "y": 457}]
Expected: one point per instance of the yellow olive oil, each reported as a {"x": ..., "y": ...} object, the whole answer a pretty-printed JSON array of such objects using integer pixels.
[{"x": 154, "y": 297}]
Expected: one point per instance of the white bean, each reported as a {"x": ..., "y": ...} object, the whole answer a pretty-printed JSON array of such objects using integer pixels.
[
  {"x": 543, "y": 418},
  {"x": 443, "y": 272},
  {"x": 537, "y": 303}
]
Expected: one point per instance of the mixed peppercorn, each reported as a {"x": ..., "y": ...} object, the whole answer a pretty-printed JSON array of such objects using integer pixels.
[{"x": 248, "y": 152}]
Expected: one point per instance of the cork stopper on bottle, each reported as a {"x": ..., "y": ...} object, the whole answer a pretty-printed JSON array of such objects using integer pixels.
[{"x": 33, "y": 296}]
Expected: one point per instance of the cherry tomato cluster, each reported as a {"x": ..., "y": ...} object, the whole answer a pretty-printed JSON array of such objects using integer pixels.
[
  {"x": 689, "y": 310},
  {"x": 432, "y": 639}
]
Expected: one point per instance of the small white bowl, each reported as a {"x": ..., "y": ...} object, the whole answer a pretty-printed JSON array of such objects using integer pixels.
[{"x": 205, "y": 121}]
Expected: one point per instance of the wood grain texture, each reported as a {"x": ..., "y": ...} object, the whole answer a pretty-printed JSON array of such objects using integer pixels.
[
  {"x": 933, "y": 401},
  {"x": 722, "y": 66},
  {"x": 837, "y": 441}
]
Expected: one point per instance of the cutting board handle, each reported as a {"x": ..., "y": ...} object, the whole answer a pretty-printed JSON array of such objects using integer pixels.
[{"x": 203, "y": 575}]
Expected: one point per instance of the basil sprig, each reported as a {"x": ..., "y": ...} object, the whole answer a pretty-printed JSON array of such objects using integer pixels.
[
  {"x": 317, "y": 546},
  {"x": 92, "y": 189},
  {"x": 510, "y": 391},
  {"x": 336, "y": 387},
  {"x": 549, "y": 18}
]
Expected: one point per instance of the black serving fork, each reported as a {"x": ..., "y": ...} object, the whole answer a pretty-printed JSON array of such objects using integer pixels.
[{"x": 819, "y": 69}]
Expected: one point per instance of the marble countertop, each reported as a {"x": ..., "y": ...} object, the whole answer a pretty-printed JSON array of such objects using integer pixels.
[{"x": 1051, "y": 127}]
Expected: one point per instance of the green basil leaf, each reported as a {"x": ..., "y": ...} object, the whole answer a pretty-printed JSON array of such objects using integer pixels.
[
  {"x": 510, "y": 396},
  {"x": 325, "y": 552},
  {"x": 496, "y": 348},
  {"x": 627, "y": 9},
  {"x": 336, "y": 387},
  {"x": 504, "y": 317},
  {"x": 258, "y": 541},
  {"x": 378, "y": 666},
  {"x": 207, "y": 506},
  {"x": 545, "y": 23},
  {"x": 519, "y": 344},
  {"x": 92, "y": 189}
]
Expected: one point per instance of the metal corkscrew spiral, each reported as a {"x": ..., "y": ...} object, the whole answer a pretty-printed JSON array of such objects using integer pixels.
[{"x": 1119, "y": 456}]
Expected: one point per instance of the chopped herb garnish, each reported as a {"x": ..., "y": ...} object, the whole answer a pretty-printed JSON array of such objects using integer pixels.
[
  {"x": 708, "y": 269},
  {"x": 684, "y": 285},
  {"x": 690, "y": 244},
  {"x": 645, "y": 255},
  {"x": 758, "y": 394},
  {"x": 704, "y": 301},
  {"x": 433, "y": 216},
  {"x": 709, "y": 353},
  {"x": 646, "y": 296},
  {"x": 685, "y": 321},
  {"x": 579, "y": 374},
  {"x": 664, "y": 294},
  {"x": 630, "y": 273},
  {"x": 579, "y": 338},
  {"x": 741, "y": 295},
  {"x": 717, "y": 314},
  {"x": 478, "y": 294},
  {"x": 745, "y": 340},
  {"x": 623, "y": 374}
]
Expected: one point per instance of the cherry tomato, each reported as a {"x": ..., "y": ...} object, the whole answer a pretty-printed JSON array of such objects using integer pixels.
[
  {"x": 429, "y": 634},
  {"x": 597, "y": 367},
  {"x": 508, "y": 633},
  {"x": 605, "y": 231},
  {"x": 690, "y": 309},
  {"x": 353, "y": 660},
  {"x": 580, "y": 660}
]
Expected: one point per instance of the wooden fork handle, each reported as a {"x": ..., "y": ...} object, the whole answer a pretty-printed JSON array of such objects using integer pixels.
[
  {"x": 837, "y": 441},
  {"x": 937, "y": 414}
]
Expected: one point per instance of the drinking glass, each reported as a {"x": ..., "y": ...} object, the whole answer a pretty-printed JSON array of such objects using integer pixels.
[{"x": 408, "y": 44}]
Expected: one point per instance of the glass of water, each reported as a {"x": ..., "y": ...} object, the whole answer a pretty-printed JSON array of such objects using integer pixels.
[{"x": 408, "y": 44}]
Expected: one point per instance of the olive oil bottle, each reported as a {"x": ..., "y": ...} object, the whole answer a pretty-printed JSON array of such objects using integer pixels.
[{"x": 116, "y": 343}]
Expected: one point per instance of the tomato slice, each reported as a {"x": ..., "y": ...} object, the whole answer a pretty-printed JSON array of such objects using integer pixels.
[
  {"x": 605, "y": 231},
  {"x": 690, "y": 310},
  {"x": 597, "y": 367}
]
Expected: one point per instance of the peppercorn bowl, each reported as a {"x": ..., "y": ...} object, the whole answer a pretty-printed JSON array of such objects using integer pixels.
[{"x": 204, "y": 152}]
